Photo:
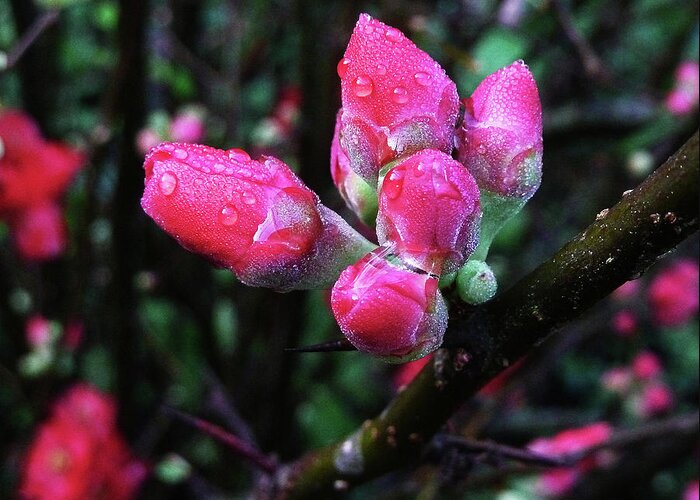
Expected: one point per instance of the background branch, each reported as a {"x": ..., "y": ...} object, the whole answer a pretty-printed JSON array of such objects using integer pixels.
[{"x": 619, "y": 245}]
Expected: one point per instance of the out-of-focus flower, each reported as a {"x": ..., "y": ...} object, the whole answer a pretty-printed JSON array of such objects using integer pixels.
[
  {"x": 646, "y": 366},
  {"x": 673, "y": 294},
  {"x": 389, "y": 311},
  {"x": 560, "y": 480},
  {"x": 655, "y": 399},
  {"x": 618, "y": 379},
  {"x": 38, "y": 332},
  {"x": 396, "y": 99},
  {"x": 187, "y": 126},
  {"x": 683, "y": 98},
  {"x": 79, "y": 454},
  {"x": 254, "y": 217},
  {"x": 624, "y": 323},
  {"x": 692, "y": 491},
  {"x": 429, "y": 212},
  {"x": 34, "y": 174}
]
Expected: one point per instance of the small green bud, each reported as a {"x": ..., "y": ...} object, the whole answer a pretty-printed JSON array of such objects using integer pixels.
[{"x": 476, "y": 282}]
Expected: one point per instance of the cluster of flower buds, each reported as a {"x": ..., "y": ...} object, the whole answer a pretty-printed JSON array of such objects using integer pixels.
[
  {"x": 34, "y": 173},
  {"x": 393, "y": 161},
  {"x": 186, "y": 126},
  {"x": 79, "y": 453}
]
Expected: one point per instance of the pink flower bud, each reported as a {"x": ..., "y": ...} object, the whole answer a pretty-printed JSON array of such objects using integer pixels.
[
  {"x": 359, "y": 196},
  {"x": 187, "y": 126},
  {"x": 673, "y": 294},
  {"x": 646, "y": 365},
  {"x": 254, "y": 217},
  {"x": 388, "y": 311},
  {"x": 396, "y": 99},
  {"x": 500, "y": 140},
  {"x": 39, "y": 232},
  {"x": 692, "y": 491},
  {"x": 429, "y": 211},
  {"x": 683, "y": 98}
]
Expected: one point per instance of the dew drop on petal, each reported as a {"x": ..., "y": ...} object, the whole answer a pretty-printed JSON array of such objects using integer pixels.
[
  {"x": 420, "y": 170},
  {"x": 342, "y": 67},
  {"x": 399, "y": 95},
  {"x": 180, "y": 154},
  {"x": 392, "y": 34},
  {"x": 422, "y": 78},
  {"x": 248, "y": 198},
  {"x": 228, "y": 215},
  {"x": 363, "y": 86},
  {"x": 393, "y": 184},
  {"x": 167, "y": 183},
  {"x": 381, "y": 69},
  {"x": 238, "y": 155},
  {"x": 219, "y": 167}
]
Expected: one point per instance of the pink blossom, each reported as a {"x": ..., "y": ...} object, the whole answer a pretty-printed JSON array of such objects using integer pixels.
[
  {"x": 500, "y": 140},
  {"x": 395, "y": 99},
  {"x": 389, "y": 311},
  {"x": 146, "y": 139},
  {"x": 618, "y": 379},
  {"x": 39, "y": 232},
  {"x": 692, "y": 491},
  {"x": 560, "y": 480},
  {"x": 656, "y": 399},
  {"x": 38, "y": 331},
  {"x": 187, "y": 126},
  {"x": 429, "y": 212},
  {"x": 625, "y": 323},
  {"x": 673, "y": 294},
  {"x": 683, "y": 98},
  {"x": 646, "y": 365},
  {"x": 256, "y": 218}
]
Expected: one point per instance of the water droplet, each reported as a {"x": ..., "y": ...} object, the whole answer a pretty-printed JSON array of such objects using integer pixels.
[
  {"x": 228, "y": 215},
  {"x": 422, "y": 78},
  {"x": 399, "y": 95},
  {"x": 248, "y": 198},
  {"x": 363, "y": 86},
  {"x": 392, "y": 34},
  {"x": 442, "y": 186},
  {"x": 167, "y": 183},
  {"x": 219, "y": 167},
  {"x": 481, "y": 149},
  {"x": 342, "y": 67},
  {"x": 238, "y": 155},
  {"x": 393, "y": 184},
  {"x": 180, "y": 154},
  {"x": 354, "y": 297},
  {"x": 420, "y": 170},
  {"x": 381, "y": 69}
]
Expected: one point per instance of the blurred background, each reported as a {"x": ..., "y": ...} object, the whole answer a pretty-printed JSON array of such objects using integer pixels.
[{"x": 120, "y": 305}]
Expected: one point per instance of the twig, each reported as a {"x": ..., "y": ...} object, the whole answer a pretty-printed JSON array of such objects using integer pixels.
[
  {"x": 26, "y": 41},
  {"x": 497, "y": 450},
  {"x": 619, "y": 245},
  {"x": 591, "y": 62},
  {"x": 240, "y": 447}
]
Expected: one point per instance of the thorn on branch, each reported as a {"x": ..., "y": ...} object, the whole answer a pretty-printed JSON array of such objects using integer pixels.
[{"x": 338, "y": 345}]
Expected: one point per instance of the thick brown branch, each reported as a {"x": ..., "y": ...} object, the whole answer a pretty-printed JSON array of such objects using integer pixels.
[{"x": 620, "y": 244}]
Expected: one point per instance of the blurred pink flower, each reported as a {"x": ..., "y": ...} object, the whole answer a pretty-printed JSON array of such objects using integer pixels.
[
  {"x": 656, "y": 399},
  {"x": 187, "y": 126},
  {"x": 618, "y": 379},
  {"x": 692, "y": 491},
  {"x": 673, "y": 294},
  {"x": 683, "y": 98},
  {"x": 625, "y": 323},
  {"x": 646, "y": 366},
  {"x": 37, "y": 331},
  {"x": 560, "y": 480}
]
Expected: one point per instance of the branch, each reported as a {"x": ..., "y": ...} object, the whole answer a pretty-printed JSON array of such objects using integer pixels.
[
  {"x": 32, "y": 34},
  {"x": 619, "y": 245}
]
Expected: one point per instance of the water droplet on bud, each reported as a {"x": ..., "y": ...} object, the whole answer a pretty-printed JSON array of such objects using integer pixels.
[
  {"x": 180, "y": 154},
  {"x": 392, "y": 34},
  {"x": 167, "y": 183},
  {"x": 399, "y": 95},
  {"x": 393, "y": 184},
  {"x": 363, "y": 86},
  {"x": 422, "y": 78},
  {"x": 238, "y": 155},
  {"x": 228, "y": 215},
  {"x": 248, "y": 198},
  {"x": 342, "y": 67}
]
